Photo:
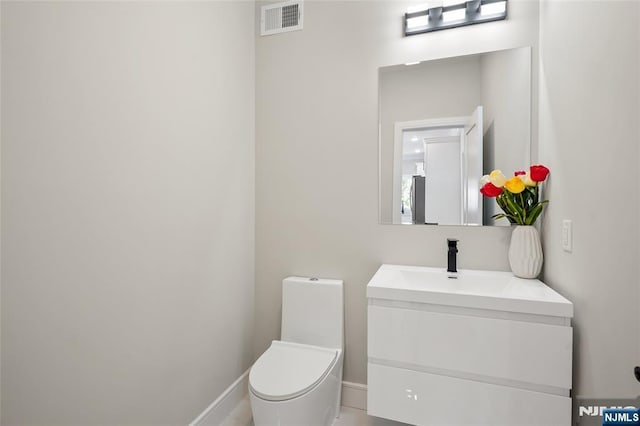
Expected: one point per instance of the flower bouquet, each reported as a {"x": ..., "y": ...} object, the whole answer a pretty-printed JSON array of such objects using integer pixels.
[{"x": 518, "y": 197}]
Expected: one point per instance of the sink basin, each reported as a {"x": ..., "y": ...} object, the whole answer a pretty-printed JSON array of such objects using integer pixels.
[{"x": 493, "y": 290}]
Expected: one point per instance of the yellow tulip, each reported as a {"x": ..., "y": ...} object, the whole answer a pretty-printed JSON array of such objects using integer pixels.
[
  {"x": 497, "y": 178},
  {"x": 514, "y": 185}
]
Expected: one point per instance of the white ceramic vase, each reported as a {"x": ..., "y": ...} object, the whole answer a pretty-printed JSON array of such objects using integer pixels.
[{"x": 525, "y": 252}]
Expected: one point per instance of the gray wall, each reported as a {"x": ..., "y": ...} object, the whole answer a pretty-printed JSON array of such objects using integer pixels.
[
  {"x": 316, "y": 116},
  {"x": 128, "y": 235},
  {"x": 589, "y": 136}
]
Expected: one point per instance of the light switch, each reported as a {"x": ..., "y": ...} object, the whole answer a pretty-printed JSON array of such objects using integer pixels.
[{"x": 567, "y": 235}]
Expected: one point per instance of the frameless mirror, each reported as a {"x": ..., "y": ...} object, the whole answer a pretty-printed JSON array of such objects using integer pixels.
[{"x": 443, "y": 124}]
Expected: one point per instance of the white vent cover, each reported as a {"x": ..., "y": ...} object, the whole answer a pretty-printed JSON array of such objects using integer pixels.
[{"x": 281, "y": 17}]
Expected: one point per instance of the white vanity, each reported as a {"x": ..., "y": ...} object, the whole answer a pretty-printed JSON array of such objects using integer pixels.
[{"x": 483, "y": 348}]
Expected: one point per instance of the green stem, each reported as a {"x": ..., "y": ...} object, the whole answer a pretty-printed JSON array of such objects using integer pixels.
[{"x": 524, "y": 208}]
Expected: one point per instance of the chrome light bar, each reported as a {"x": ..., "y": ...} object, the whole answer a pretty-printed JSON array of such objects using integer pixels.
[{"x": 456, "y": 15}]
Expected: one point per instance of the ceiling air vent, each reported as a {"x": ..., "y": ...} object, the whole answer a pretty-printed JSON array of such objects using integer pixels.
[{"x": 281, "y": 17}]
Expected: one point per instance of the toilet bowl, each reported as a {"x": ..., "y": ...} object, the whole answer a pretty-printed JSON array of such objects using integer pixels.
[{"x": 298, "y": 380}]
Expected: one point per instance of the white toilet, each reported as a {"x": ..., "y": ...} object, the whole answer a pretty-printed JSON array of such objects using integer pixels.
[{"x": 298, "y": 380}]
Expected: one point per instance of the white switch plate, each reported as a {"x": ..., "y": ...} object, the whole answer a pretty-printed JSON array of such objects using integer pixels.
[{"x": 567, "y": 235}]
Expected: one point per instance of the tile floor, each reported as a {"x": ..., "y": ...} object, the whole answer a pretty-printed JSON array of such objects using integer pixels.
[{"x": 241, "y": 416}]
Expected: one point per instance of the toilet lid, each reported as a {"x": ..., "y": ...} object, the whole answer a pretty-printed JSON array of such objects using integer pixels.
[{"x": 287, "y": 370}]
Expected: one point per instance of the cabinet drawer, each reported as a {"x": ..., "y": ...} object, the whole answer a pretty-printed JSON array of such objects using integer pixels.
[
  {"x": 510, "y": 350},
  {"x": 426, "y": 399}
]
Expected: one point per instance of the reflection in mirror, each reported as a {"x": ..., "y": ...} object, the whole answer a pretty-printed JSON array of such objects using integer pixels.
[
  {"x": 443, "y": 124},
  {"x": 440, "y": 161}
]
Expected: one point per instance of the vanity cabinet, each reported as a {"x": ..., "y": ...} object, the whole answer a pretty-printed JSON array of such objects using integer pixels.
[{"x": 479, "y": 348}]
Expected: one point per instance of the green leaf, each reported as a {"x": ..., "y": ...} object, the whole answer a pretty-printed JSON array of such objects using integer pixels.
[
  {"x": 503, "y": 215},
  {"x": 524, "y": 208},
  {"x": 515, "y": 210},
  {"x": 534, "y": 214}
]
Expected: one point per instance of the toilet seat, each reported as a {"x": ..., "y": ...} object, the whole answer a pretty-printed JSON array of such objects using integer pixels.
[{"x": 287, "y": 370}]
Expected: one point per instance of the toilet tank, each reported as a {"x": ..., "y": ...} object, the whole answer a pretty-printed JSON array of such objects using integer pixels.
[{"x": 313, "y": 311}]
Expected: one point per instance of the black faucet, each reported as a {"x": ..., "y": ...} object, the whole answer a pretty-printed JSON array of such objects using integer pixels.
[{"x": 452, "y": 243}]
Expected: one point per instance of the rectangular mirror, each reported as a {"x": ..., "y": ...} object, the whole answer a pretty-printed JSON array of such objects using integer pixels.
[{"x": 443, "y": 124}]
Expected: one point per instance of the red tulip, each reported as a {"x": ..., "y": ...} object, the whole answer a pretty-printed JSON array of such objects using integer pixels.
[
  {"x": 490, "y": 190},
  {"x": 519, "y": 173},
  {"x": 539, "y": 172}
]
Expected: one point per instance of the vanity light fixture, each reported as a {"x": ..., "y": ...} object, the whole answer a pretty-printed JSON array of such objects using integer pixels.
[{"x": 453, "y": 15}]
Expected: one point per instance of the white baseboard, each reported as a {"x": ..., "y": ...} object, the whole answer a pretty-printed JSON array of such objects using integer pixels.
[
  {"x": 220, "y": 409},
  {"x": 354, "y": 395}
]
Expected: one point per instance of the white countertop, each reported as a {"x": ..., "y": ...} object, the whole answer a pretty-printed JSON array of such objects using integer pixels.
[{"x": 493, "y": 290}]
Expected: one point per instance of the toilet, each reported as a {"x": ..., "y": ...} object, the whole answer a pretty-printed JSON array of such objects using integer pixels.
[{"x": 298, "y": 380}]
